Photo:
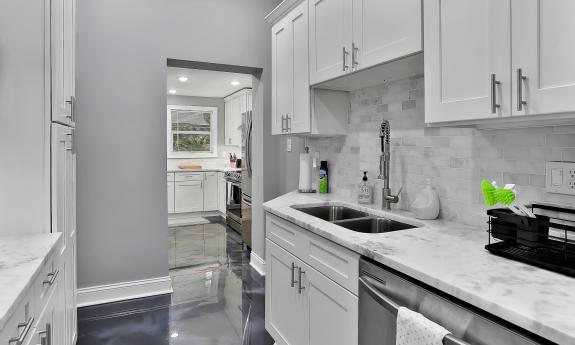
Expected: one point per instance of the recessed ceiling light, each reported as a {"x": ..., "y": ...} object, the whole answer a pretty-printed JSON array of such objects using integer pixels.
[
  {"x": 172, "y": 91},
  {"x": 183, "y": 79},
  {"x": 235, "y": 83},
  {"x": 174, "y": 335}
]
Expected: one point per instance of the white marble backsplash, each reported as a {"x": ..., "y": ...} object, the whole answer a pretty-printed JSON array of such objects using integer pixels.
[{"x": 456, "y": 159}]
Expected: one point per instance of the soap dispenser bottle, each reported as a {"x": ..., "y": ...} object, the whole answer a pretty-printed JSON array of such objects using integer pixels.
[
  {"x": 364, "y": 191},
  {"x": 426, "y": 205}
]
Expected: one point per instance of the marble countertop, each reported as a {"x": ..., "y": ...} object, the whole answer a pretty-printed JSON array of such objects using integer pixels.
[
  {"x": 21, "y": 258},
  {"x": 218, "y": 169},
  {"x": 451, "y": 257}
]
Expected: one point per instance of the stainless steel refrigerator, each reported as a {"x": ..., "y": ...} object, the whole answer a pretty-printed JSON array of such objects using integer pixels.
[{"x": 247, "y": 177}]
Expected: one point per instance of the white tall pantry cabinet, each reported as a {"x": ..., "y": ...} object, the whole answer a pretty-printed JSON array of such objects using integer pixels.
[{"x": 37, "y": 135}]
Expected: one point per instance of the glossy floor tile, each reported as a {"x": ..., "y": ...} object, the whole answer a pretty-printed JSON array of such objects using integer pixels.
[{"x": 218, "y": 298}]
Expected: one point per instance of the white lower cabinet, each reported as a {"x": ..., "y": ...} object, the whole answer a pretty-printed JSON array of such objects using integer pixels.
[
  {"x": 210, "y": 191},
  {"x": 189, "y": 196},
  {"x": 171, "y": 195},
  {"x": 304, "y": 306},
  {"x": 50, "y": 329}
]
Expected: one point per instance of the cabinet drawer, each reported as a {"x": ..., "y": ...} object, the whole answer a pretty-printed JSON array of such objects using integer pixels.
[
  {"x": 334, "y": 261},
  {"x": 21, "y": 323},
  {"x": 170, "y": 177},
  {"x": 189, "y": 176},
  {"x": 45, "y": 280}
]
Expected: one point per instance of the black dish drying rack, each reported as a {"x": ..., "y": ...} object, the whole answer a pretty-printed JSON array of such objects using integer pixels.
[{"x": 547, "y": 241}]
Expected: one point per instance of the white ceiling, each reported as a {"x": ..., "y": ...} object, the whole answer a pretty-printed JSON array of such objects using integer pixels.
[{"x": 204, "y": 83}]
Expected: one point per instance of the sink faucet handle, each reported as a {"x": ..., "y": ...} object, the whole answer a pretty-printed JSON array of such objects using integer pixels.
[{"x": 399, "y": 192}]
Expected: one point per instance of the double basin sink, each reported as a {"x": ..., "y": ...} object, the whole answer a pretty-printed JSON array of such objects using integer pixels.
[{"x": 354, "y": 220}]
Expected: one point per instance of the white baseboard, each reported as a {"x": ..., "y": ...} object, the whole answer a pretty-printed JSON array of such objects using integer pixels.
[
  {"x": 258, "y": 263},
  {"x": 184, "y": 219},
  {"x": 123, "y": 291}
]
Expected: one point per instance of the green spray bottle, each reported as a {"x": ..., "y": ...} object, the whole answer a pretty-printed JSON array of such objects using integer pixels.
[{"x": 323, "y": 178}]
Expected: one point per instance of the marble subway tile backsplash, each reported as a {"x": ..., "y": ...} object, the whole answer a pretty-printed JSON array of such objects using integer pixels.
[{"x": 455, "y": 159}]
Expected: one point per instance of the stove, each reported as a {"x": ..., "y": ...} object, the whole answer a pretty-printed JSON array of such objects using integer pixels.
[{"x": 234, "y": 200}]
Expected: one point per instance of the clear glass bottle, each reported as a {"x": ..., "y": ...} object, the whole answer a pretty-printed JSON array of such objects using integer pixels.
[{"x": 364, "y": 191}]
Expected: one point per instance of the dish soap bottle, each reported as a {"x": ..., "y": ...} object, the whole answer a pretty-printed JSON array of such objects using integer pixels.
[
  {"x": 426, "y": 205},
  {"x": 323, "y": 181},
  {"x": 364, "y": 191}
]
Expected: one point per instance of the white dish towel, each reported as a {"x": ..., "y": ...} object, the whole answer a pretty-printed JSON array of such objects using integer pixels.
[{"x": 415, "y": 329}]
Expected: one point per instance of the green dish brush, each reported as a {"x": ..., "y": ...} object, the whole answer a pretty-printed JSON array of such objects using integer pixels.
[{"x": 492, "y": 195}]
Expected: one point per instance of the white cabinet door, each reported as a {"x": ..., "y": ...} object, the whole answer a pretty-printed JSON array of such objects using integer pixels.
[
  {"x": 63, "y": 183},
  {"x": 543, "y": 35},
  {"x": 332, "y": 310},
  {"x": 330, "y": 36},
  {"x": 69, "y": 266},
  {"x": 385, "y": 30},
  {"x": 171, "y": 195},
  {"x": 466, "y": 42},
  {"x": 290, "y": 73},
  {"x": 233, "y": 118},
  {"x": 189, "y": 196},
  {"x": 286, "y": 309},
  {"x": 299, "y": 119},
  {"x": 62, "y": 64},
  {"x": 210, "y": 191},
  {"x": 50, "y": 326},
  {"x": 282, "y": 74},
  {"x": 221, "y": 193}
]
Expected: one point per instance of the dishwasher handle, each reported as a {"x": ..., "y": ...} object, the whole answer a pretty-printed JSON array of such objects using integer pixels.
[{"x": 373, "y": 287}]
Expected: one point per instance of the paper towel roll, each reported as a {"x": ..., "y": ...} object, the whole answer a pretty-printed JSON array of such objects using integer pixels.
[{"x": 304, "y": 171}]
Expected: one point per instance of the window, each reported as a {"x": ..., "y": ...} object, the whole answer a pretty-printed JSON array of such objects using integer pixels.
[{"x": 192, "y": 131}]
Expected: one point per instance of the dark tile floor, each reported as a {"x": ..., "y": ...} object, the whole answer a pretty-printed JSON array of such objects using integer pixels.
[{"x": 218, "y": 298}]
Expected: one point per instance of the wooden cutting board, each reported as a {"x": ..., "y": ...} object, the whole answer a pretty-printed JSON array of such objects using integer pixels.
[{"x": 190, "y": 166}]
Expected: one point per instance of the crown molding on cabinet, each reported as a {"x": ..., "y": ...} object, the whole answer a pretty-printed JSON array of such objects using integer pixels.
[{"x": 281, "y": 10}]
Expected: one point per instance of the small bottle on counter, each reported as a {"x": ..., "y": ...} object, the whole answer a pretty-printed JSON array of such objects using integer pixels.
[
  {"x": 364, "y": 191},
  {"x": 323, "y": 178}
]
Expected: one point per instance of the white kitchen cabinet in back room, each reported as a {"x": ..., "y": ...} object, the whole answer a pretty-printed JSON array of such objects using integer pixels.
[
  {"x": 235, "y": 105},
  {"x": 544, "y": 55},
  {"x": 222, "y": 193},
  {"x": 189, "y": 196},
  {"x": 467, "y": 54},
  {"x": 210, "y": 191}
]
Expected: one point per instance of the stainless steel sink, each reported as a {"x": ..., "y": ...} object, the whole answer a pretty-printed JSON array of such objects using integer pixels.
[
  {"x": 374, "y": 225},
  {"x": 331, "y": 213}
]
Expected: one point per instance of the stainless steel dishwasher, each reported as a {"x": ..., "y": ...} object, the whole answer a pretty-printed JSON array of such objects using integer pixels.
[{"x": 382, "y": 292}]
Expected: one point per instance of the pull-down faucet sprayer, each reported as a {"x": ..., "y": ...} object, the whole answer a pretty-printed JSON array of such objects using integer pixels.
[{"x": 387, "y": 199}]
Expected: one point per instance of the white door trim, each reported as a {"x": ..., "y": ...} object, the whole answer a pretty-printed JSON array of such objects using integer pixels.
[
  {"x": 123, "y": 291},
  {"x": 258, "y": 263}
]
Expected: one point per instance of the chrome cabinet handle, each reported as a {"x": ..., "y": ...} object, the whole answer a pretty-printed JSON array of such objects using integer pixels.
[
  {"x": 47, "y": 339},
  {"x": 52, "y": 278},
  {"x": 345, "y": 54},
  {"x": 300, "y": 287},
  {"x": 293, "y": 281},
  {"x": 288, "y": 123},
  {"x": 25, "y": 326},
  {"x": 354, "y": 51},
  {"x": 494, "y": 104},
  {"x": 520, "y": 79},
  {"x": 72, "y": 103},
  {"x": 283, "y": 123}
]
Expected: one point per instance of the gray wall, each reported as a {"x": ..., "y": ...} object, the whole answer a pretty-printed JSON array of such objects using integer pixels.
[{"x": 121, "y": 60}]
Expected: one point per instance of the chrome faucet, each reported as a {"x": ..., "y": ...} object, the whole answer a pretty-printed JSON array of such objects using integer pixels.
[{"x": 386, "y": 199}]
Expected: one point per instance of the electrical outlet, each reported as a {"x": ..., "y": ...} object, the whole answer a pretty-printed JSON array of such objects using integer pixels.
[{"x": 560, "y": 177}]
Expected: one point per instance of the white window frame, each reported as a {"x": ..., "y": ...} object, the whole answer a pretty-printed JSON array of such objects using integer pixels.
[{"x": 213, "y": 132}]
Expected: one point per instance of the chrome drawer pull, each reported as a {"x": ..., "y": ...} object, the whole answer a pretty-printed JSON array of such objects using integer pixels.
[
  {"x": 52, "y": 279},
  {"x": 494, "y": 104},
  {"x": 22, "y": 336}
]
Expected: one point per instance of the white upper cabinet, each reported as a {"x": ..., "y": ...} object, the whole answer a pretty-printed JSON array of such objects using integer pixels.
[
  {"x": 62, "y": 64},
  {"x": 330, "y": 39},
  {"x": 290, "y": 73},
  {"x": 235, "y": 105},
  {"x": 544, "y": 52},
  {"x": 384, "y": 30},
  {"x": 466, "y": 42}
]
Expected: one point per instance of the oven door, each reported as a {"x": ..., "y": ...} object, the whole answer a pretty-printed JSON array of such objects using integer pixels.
[{"x": 233, "y": 206}]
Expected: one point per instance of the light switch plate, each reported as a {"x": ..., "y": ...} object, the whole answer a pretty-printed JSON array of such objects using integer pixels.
[{"x": 560, "y": 177}]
